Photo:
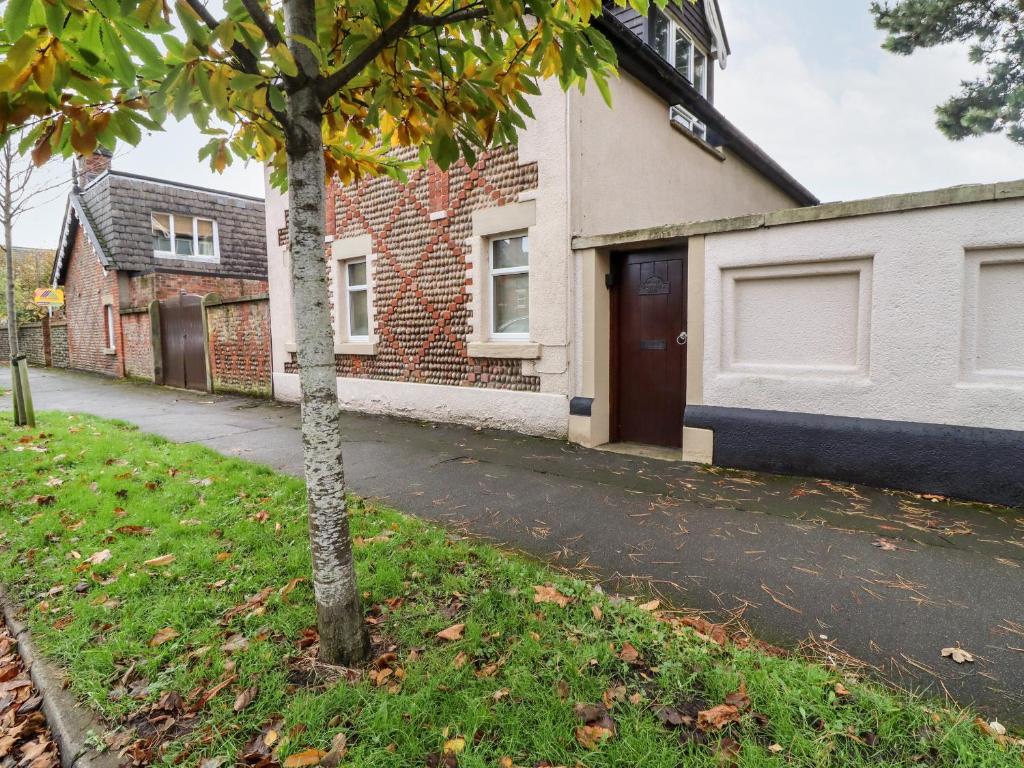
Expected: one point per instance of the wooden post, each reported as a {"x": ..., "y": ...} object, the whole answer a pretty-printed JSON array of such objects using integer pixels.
[
  {"x": 26, "y": 392},
  {"x": 24, "y": 415},
  {"x": 155, "y": 342},
  {"x": 209, "y": 300},
  {"x": 19, "y": 406}
]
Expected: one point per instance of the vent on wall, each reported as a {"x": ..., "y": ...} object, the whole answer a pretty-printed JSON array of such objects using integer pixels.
[{"x": 687, "y": 121}]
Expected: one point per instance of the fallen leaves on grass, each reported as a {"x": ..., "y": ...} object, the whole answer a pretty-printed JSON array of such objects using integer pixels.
[
  {"x": 156, "y": 562},
  {"x": 455, "y": 746},
  {"x": 739, "y": 699},
  {"x": 544, "y": 593},
  {"x": 304, "y": 759},
  {"x": 716, "y": 718},
  {"x": 598, "y": 726},
  {"x": 453, "y": 633},
  {"x": 959, "y": 655},
  {"x": 629, "y": 653},
  {"x": 162, "y": 636},
  {"x": 339, "y": 748},
  {"x": 98, "y": 558},
  {"x": 245, "y": 698}
]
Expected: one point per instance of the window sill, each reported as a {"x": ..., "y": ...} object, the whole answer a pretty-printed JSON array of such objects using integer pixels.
[
  {"x": 109, "y": 351},
  {"x": 366, "y": 348},
  {"x": 506, "y": 350},
  {"x": 711, "y": 150},
  {"x": 179, "y": 257}
]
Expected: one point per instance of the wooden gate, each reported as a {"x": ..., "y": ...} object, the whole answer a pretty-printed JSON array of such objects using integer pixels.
[{"x": 181, "y": 342}]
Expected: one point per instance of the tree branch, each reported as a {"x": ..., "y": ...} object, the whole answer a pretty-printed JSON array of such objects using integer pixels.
[
  {"x": 452, "y": 17},
  {"x": 246, "y": 58},
  {"x": 328, "y": 86},
  {"x": 267, "y": 27}
]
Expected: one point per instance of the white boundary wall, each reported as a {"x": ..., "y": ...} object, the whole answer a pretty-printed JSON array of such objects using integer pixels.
[{"x": 915, "y": 315}]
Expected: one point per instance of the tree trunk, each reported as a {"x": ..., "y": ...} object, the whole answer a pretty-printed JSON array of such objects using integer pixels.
[
  {"x": 21, "y": 415},
  {"x": 343, "y": 635}
]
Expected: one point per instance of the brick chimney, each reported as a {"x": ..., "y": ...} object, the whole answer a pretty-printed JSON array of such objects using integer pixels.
[{"x": 88, "y": 167}]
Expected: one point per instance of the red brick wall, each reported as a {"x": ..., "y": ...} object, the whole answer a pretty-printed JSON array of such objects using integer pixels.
[
  {"x": 240, "y": 346},
  {"x": 136, "y": 337},
  {"x": 137, "y": 331},
  {"x": 421, "y": 270},
  {"x": 85, "y": 288},
  {"x": 162, "y": 286}
]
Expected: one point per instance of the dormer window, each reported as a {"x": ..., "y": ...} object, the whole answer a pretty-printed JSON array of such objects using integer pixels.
[
  {"x": 184, "y": 237},
  {"x": 674, "y": 45}
]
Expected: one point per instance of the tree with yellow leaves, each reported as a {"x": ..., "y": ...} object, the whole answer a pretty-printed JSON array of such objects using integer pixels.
[{"x": 315, "y": 89}]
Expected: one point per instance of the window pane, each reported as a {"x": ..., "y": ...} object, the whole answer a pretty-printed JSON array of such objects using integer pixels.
[
  {"x": 356, "y": 273},
  {"x": 205, "y": 228},
  {"x": 183, "y": 235},
  {"x": 358, "y": 317},
  {"x": 161, "y": 232},
  {"x": 511, "y": 252},
  {"x": 699, "y": 70},
  {"x": 512, "y": 303},
  {"x": 659, "y": 35},
  {"x": 683, "y": 46}
]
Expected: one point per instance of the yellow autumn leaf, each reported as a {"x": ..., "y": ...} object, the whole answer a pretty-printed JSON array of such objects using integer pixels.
[
  {"x": 455, "y": 746},
  {"x": 284, "y": 60}
]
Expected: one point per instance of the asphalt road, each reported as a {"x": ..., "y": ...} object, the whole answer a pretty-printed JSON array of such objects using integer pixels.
[{"x": 888, "y": 578}]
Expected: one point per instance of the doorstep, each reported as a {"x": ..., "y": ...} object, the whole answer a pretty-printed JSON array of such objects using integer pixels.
[{"x": 644, "y": 451}]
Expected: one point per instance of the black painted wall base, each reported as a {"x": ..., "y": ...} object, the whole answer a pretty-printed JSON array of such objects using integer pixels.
[{"x": 961, "y": 462}]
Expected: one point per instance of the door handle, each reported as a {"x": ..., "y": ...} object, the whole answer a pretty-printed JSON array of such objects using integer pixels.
[{"x": 682, "y": 338}]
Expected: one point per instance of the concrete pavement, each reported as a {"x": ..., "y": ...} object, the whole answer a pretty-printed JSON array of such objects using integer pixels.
[{"x": 889, "y": 578}]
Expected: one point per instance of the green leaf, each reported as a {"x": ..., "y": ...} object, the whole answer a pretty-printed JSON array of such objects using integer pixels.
[
  {"x": 312, "y": 46},
  {"x": 16, "y": 18},
  {"x": 119, "y": 59},
  {"x": 141, "y": 45},
  {"x": 276, "y": 98},
  {"x": 284, "y": 60}
]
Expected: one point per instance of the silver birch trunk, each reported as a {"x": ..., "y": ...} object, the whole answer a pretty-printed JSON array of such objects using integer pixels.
[
  {"x": 21, "y": 415},
  {"x": 343, "y": 635},
  {"x": 7, "y": 204}
]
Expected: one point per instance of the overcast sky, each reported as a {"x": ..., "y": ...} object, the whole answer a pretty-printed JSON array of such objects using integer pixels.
[{"x": 807, "y": 81}]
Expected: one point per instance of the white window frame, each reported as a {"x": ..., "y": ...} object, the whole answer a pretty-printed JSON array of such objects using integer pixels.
[
  {"x": 675, "y": 27},
  {"x": 351, "y": 289},
  {"x": 493, "y": 273},
  {"x": 111, "y": 332},
  {"x": 345, "y": 251},
  {"x": 172, "y": 254}
]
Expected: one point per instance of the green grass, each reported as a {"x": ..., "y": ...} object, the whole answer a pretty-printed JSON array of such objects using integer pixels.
[{"x": 236, "y": 528}]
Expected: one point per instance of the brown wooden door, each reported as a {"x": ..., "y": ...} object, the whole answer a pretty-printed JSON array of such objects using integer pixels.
[
  {"x": 181, "y": 342},
  {"x": 649, "y": 362}
]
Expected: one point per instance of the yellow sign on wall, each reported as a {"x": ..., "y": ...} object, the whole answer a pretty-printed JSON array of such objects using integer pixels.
[{"x": 48, "y": 297}]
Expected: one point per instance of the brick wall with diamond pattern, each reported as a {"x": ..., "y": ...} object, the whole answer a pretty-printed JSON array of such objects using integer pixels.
[{"x": 422, "y": 269}]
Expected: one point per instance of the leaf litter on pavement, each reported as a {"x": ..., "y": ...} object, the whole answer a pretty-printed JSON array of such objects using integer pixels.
[
  {"x": 195, "y": 640},
  {"x": 25, "y": 738}
]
